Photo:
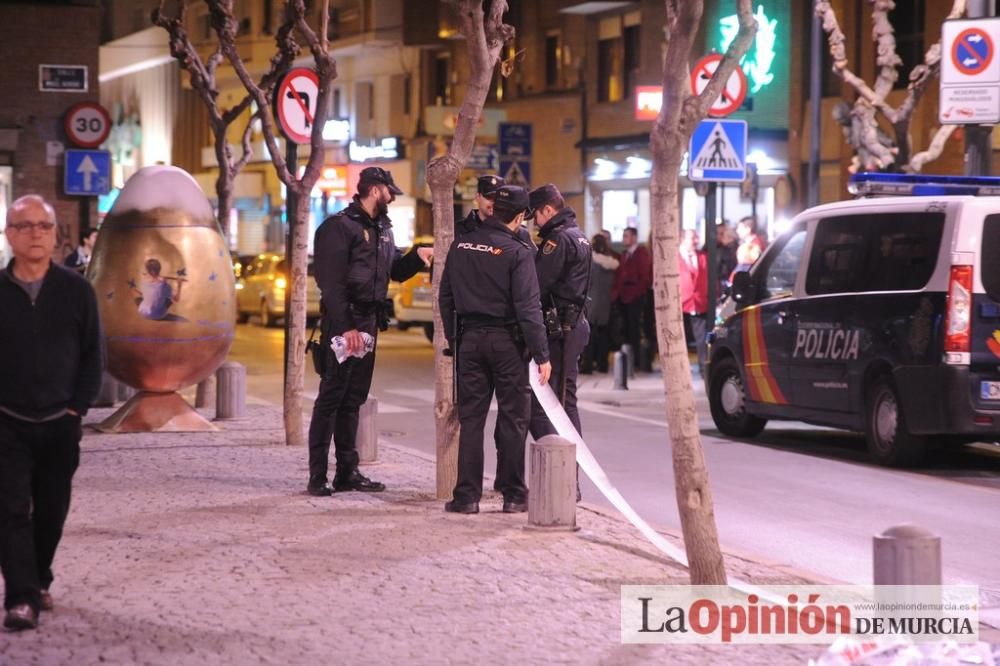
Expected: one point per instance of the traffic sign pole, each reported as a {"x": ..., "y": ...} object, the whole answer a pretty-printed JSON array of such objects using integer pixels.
[{"x": 978, "y": 138}]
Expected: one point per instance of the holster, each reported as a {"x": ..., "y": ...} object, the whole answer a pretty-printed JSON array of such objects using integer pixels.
[{"x": 320, "y": 352}]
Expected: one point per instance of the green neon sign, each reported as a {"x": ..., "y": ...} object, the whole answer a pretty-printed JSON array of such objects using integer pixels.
[{"x": 759, "y": 60}]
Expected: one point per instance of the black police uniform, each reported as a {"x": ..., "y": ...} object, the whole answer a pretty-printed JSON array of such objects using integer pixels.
[
  {"x": 489, "y": 283},
  {"x": 563, "y": 267},
  {"x": 355, "y": 256}
]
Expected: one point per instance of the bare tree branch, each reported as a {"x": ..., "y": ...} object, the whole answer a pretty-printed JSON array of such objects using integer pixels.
[
  {"x": 934, "y": 150},
  {"x": 246, "y": 144},
  {"x": 886, "y": 58}
]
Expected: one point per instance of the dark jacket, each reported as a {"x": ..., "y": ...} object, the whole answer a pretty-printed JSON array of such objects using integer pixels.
[
  {"x": 50, "y": 352},
  {"x": 472, "y": 222},
  {"x": 490, "y": 273},
  {"x": 354, "y": 259},
  {"x": 563, "y": 261}
]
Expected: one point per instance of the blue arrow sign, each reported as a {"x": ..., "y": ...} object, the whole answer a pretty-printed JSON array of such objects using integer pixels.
[
  {"x": 718, "y": 151},
  {"x": 88, "y": 173}
]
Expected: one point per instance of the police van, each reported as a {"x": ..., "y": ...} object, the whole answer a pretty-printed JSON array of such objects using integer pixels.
[{"x": 879, "y": 315}]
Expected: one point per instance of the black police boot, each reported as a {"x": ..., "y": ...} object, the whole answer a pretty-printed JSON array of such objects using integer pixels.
[
  {"x": 515, "y": 506},
  {"x": 461, "y": 507},
  {"x": 355, "y": 480},
  {"x": 317, "y": 487}
]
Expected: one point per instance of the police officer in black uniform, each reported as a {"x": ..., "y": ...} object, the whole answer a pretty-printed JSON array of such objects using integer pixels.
[
  {"x": 486, "y": 192},
  {"x": 490, "y": 308},
  {"x": 355, "y": 256},
  {"x": 563, "y": 267}
]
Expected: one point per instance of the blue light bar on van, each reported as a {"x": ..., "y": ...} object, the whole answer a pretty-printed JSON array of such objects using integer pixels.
[{"x": 870, "y": 184}]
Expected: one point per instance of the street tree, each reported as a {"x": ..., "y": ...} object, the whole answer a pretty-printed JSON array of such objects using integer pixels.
[
  {"x": 887, "y": 145},
  {"x": 481, "y": 24},
  {"x": 679, "y": 114},
  {"x": 256, "y": 107}
]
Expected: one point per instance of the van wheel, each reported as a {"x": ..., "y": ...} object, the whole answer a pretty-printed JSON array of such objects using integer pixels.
[
  {"x": 727, "y": 400},
  {"x": 429, "y": 331},
  {"x": 889, "y": 442},
  {"x": 266, "y": 318}
]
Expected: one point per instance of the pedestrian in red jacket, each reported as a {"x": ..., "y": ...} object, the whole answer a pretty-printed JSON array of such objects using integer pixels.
[
  {"x": 633, "y": 279},
  {"x": 692, "y": 264}
]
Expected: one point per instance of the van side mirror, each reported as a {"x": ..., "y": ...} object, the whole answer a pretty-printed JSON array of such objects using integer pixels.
[{"x": 744, "y": 292}]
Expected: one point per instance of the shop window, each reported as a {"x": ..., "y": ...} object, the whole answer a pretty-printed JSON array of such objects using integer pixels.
[{"x": 553, "y": 51}]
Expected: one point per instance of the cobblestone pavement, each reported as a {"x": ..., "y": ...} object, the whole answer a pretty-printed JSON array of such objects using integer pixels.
[{"x": 204, "y": 549}]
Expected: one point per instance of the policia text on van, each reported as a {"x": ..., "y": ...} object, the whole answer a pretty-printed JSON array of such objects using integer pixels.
[{"x": 879, "y": 315}]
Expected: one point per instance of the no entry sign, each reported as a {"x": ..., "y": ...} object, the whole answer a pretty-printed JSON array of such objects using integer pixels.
[
  {"x": 295, "y": 104},
  {"x": 733, "y": 93}
]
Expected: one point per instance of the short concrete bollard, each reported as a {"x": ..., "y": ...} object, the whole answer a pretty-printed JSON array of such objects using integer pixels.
[
  {"x": 108, "y": 393},
  {"x": 552, "y": 498},
  {"x": 907, "y": 555},
  {"x": 620, "y": 370},
  {"x": 231, "y": 391},
  {"x": 206, "y": 389},
  {"x": 368, "y": 432}
]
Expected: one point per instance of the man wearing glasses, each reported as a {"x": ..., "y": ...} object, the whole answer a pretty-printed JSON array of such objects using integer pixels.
[{"x": 50, "y": 352}]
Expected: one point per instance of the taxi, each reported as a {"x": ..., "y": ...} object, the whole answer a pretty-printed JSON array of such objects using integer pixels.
[{"x": 878, "y": 315}]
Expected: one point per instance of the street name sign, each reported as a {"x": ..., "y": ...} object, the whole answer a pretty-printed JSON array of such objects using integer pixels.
[
  {"x": 734, "y": 92},
  {"x": 62, "y": 78},
  {"x": 87, "y": 173},
  {"x": 295, "y": 103},
  {"x": 718, "y": 151},
  {"x": 970, "y": 72}
]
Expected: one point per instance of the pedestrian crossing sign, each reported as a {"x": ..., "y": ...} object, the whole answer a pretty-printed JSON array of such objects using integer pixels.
[{"x": 718, "y": 151}]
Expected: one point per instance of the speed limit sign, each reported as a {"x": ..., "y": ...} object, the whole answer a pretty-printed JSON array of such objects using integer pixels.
[{"x": 87, "y": 124}]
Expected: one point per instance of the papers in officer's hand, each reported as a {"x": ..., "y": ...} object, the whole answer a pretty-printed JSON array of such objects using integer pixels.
[{"x": 339, "y": 346}]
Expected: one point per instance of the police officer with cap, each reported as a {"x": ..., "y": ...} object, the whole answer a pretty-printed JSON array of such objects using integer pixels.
[
  {"x": 489, "y": 304},
  {"x": 486, "y": 191},
  {"x": 355, "y": 256},
  {"x": 563, "y": 267}
]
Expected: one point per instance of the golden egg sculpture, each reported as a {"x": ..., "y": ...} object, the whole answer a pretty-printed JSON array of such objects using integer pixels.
[{"x": 164, "y": 282}]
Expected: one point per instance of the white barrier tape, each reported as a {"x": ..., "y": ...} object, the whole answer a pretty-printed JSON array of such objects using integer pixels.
[{"x": 560, "y": 420}]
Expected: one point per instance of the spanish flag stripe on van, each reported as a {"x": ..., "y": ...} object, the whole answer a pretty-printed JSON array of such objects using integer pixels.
[{"x": 761, "y": 382}]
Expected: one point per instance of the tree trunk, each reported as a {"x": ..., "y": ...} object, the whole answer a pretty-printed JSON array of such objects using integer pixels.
[
  {"x": 224, "y": 183},
  {"x": 295, "y": 370},
  {"x": 694, "y": 495},
  {"x": 441, "y": 177},
  {"x": 485, "y": 34}
]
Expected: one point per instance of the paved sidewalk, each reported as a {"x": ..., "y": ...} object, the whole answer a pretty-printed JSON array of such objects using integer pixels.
[{"x": 204, "y": 549}]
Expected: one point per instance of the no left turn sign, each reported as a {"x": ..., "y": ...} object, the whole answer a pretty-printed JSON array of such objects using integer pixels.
[
  {"x": 87, "y": 124},
  {"x": 732, "y": 95},
  {"x": 295, "y": 104}
]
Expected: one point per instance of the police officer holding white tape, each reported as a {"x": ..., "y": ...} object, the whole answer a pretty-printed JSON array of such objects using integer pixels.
[{"x": 489, "y": 305}]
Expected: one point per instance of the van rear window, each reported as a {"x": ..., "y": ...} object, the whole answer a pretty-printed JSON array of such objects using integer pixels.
[
  {"x": 885, "y": 252},
  {"x": 990, "y": 256}
]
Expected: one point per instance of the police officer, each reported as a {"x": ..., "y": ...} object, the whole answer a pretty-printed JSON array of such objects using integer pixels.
[
  {"x": 486, "y": 191},
  {"x": 563, "y": 267},
  {"x": 355, "y": 256},
  {"x": 490, "y": 291}
]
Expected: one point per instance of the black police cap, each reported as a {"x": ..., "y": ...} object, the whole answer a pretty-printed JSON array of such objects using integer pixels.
[
  {"x": 543, "y": 195},
  {"x": 379, "y": 175},
  {"x": 511, "y": 198},
  {"x": 488, "y": 185}
]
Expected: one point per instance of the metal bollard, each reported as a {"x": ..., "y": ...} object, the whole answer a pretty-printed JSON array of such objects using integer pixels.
[
  {"x": 620, "y": 371},
  {"x": 552, "y": 500},
  {"x": 109, "y": 391},
  {"x": 368, "y": 433},
  {"x": 231, "y": 391},
  {"x": 206, "y": 388},
  {"x": 907, "y": 555}
]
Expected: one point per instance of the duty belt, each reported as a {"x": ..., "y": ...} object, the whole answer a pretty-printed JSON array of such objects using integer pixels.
[{"x": 482, "y": 321}]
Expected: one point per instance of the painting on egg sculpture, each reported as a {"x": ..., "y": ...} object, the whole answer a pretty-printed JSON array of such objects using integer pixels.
[{"x": 164, "y": 280}]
